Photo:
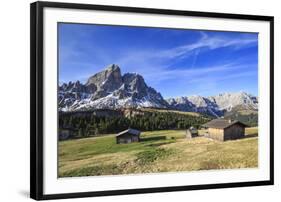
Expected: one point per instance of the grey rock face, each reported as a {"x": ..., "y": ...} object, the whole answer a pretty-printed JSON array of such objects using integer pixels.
[
  {"x": 195, "y": 104},
  {"x": 105, "y": 82},
  {"x": 215, "y": 105},
  {"x": 109, "y": 89},
  {"x": 110, "y": 76},
  {"x": 229, "y": 100}
]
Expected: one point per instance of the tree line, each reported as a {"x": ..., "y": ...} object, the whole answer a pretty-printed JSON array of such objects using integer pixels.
[
  {"x": 90, "y": 125},
  {"x": 249, "y": 119}
]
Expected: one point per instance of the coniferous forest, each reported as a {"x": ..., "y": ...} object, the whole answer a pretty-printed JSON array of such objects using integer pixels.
[{"x": 91, "y": 125}]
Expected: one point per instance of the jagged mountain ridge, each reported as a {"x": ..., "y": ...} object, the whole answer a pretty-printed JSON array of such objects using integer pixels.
[
  {"x": 109, "y": 89},
  {"x": 215, "y": 105}
]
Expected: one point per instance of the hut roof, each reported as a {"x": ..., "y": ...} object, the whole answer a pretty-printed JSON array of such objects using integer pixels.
[
  {"x": 131, "y": 131},
  {"x": 222, "y": 123}
]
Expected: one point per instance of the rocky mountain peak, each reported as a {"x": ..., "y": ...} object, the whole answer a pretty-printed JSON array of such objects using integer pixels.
[
  {"x": 135, "y": 82},
  {"x": 112, "y": 67},
  {"x": 107, "y": 80},
  {"x": 72, "y": 86},
  {"x": 109, "y": 89},
  {"x": 229, "y": 100},
  {"x": 215, "y": 105}
]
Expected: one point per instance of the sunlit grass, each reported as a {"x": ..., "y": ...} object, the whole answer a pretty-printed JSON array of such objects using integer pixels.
[{"x": 159, "y": 151}]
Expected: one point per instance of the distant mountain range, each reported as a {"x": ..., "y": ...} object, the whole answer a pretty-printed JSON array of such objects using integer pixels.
[
  {"x": 217, "y": 105},
  {"x": 109, "y": 89}
]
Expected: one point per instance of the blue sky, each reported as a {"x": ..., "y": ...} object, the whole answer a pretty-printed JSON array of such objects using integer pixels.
[{"x": 175, "y": 62}]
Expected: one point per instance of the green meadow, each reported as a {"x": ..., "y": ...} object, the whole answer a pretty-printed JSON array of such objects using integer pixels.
[{"x": 158, "y": 151}]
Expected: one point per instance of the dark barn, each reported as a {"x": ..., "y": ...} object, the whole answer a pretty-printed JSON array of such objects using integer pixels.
[
  {"x": 128, "y": 136},
  {"x": 222, "y": 130},
  {"x": 66, "y": 133}
]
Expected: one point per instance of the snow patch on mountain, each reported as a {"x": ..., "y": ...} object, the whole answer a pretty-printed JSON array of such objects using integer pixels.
[{"x": 215, "y": 105}]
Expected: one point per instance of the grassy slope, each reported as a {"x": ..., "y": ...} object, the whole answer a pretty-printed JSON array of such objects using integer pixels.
[
  {"x": 159, "y": 151},
  {"x": 171, "y": 111}
]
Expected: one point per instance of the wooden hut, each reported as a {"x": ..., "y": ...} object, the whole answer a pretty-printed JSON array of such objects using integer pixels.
[
  {"x": 128, "y": 136},
  {"x": 66, "y": 133},
  {"x": 191, "y": 133},
  {"x": 222, "y": 129}
]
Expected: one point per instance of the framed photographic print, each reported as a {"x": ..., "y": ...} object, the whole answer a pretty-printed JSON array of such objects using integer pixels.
[{"x": 136, "y": 100}]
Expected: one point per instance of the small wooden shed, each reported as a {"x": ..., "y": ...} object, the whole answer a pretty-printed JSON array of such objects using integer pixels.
[
  {"x": 191, "y": 133},
  {"x": 128, "y": 136},
  {"x": 223, "y": 130},
  {"x": 66, "y": 133}
]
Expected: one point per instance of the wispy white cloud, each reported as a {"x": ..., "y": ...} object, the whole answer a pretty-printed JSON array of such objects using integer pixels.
[
  {"x": 223, "y": 77},
  {"x": 195, "y": 57},
  {"x": 197, "y": 74},
  {"x": 209, "y": 43},
  {"x": 210, "y": 84},
  {"x": 149, "y": 61}
]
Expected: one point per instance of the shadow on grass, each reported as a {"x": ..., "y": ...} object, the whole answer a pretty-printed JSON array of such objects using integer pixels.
[
  {"x": 251, "y": 135},
  {"x": 160, "y": 144},
  {"x": 153, "y": 138}
]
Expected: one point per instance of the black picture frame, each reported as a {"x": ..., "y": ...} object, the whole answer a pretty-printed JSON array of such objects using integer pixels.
[{"x": 36, "y": 99}]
